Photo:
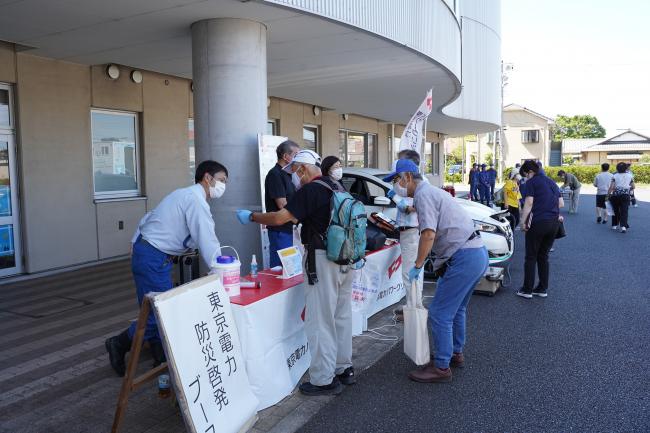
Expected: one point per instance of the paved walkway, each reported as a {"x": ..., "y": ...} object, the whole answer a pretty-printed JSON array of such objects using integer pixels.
[
  {"x": 54, "y": 371},
  {"x": 576, "y": 361}
]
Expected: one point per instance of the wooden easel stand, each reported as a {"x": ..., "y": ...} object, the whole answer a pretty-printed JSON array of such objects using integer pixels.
[{"x": 130, "y": 382}]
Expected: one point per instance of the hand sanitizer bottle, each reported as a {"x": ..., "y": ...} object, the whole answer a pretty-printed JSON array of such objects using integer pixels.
[{"x": 254, "y": 267}]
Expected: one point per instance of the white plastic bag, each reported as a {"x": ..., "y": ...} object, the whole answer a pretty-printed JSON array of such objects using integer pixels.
[
  {"x": 416, "y": 331},
  {"x": 609, "y": 208}
]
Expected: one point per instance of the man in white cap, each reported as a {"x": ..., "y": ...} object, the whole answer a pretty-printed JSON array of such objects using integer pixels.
[{"x": 328, "y": 316}]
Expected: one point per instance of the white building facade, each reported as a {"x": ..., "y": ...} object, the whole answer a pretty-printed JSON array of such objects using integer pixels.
[{"x": 103, "y": 104}]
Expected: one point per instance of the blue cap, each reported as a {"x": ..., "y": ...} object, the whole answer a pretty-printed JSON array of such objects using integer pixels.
[
  {"x": 225, "y": 260},
  {"x": 402, "y": 166}
]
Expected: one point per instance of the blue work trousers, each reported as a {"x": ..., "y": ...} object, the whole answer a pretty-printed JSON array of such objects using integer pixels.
[
  {"x": 484, "y": 191},
  {"x": 473, "y": 191},
  {"x": 449, "y": 305},
  {"x": 152, "y": 273},
  {"x": 278, "y": 241}
]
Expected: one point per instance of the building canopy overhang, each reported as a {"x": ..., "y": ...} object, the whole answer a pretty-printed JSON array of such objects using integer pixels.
[{"x": 310, "y": 59}]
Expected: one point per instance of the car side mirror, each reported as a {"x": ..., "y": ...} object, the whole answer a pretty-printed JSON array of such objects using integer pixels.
[{"x": 382, "y": 201}]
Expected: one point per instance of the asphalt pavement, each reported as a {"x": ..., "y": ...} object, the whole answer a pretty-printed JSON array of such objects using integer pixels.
[{"x": 577, "y": 361}]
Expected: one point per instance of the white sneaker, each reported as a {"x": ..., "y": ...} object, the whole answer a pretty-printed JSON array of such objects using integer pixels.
[
  {"x": 623, "y": 230},
  {"x": 614, "y": 227},
  {"x": 524, "y": 294},
  {"x": 636, "y": 205}
]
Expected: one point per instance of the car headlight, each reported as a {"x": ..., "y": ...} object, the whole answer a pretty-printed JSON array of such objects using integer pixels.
[{"x": 485, "y": 227}]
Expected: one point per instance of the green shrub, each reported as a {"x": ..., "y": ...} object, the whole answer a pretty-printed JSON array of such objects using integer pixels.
[
  {"x": 587, "y": 173},
  {"x": 453, "y": 178}
]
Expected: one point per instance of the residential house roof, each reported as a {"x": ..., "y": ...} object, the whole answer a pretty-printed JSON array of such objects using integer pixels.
[
  {"x": 577, "y": 145},
  {"x": 625, "y": 141},
  {"x": 517, "y": 107}
]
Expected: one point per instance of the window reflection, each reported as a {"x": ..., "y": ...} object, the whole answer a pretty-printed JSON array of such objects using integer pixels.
[{"x": 115, "y": 153}]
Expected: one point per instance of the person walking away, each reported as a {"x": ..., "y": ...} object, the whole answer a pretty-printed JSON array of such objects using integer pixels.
[
  {"x": 602, "y": 182},
  {"x": 181, "y": 223},
  {"x": 620, "y": 191},
  {"x": 540, "y": 220},
  {"x": 512, "y": 197},
  {"x": 328, "y": 294},
  {"x": 484, "y": 185},
  {"x": 409, "y": 235},
  {"x": 278, "y": 189},
  {"x": 493, "y": 180},
  {"x": 571, "y": 182},
  {"x": 632, "y": 196},
  {"x": 473, "y": 183},
  {"x": 448, "y": 231}
]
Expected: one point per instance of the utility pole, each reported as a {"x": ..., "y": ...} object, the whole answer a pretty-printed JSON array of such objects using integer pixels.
[{"x": 506, "y": 68}]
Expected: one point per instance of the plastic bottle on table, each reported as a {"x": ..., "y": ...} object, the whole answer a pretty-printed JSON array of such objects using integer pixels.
[
  {"x": 164, "y": 390},
  {"x": 254, "y": 267}
]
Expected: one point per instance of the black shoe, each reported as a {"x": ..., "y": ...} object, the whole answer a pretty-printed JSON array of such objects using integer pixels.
[
  {"x": 157, "y": 353},
  {"x": 347, "y": 377},
  {"x": 539, "y": 292},
  {"x": 334, "y": 388},
  {"x": 117, "y": 347},
  {"x": 598, "y": 220},
  {"x": 604, "y": 221}
]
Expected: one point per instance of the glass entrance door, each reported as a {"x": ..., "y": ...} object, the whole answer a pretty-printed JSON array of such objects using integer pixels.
[{"x": 10, "y": 254}]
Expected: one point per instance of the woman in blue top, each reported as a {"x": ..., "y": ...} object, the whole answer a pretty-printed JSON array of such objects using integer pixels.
[{"x": 540, "y": 220}]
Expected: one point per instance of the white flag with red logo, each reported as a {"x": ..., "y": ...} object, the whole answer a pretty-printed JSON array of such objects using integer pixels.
[{"x": 412, "y": 135}]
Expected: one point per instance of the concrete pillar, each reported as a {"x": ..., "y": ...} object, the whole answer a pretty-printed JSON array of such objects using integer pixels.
[{"x": 229, "y": 77}]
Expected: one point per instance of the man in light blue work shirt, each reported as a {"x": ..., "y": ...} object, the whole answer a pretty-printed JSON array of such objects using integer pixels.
[
  {"x": 180, "y": 223},
  {"x": 448, "y": 231}
]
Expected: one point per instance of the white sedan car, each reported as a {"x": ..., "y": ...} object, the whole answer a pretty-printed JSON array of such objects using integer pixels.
[{"x": 367, "y": 186}]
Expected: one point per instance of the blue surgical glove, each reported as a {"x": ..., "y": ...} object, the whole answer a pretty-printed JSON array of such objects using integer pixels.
[
  {"x": 402, "y": 206},
  {"x": 390, "y": 194},
  {"x": 414, "y": 274},
  {"x": 244, "y": 216}
]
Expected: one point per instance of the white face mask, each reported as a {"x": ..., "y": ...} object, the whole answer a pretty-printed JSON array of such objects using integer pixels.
[
  {"x": 295, "y": 180},
  {"x": 400, "y": 190},
  {"x": 336, "y": 174},
  {"x": 218, "y": 189}
]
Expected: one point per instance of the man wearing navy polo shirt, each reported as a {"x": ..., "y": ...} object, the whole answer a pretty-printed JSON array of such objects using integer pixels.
[{"x": 278, "y": 189}]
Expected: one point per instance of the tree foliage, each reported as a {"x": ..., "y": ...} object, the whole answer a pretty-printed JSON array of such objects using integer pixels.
[{"x": 578, "y": 126}]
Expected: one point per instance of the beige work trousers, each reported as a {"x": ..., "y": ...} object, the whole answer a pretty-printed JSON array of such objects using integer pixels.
[{"x": 328, "y": 321}]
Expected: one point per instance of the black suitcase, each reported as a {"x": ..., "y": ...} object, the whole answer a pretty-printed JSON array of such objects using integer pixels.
[
  {"x": 375, "y": 238},
  {"x": 186, "y": 268}
]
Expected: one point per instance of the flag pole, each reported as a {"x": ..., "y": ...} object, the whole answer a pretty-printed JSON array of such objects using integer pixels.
[{"x": 423, "y": 163}]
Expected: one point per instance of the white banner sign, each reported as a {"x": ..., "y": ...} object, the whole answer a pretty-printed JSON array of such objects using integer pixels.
[
  {"x": 274, "y": 343},
  {"x": 268, "y": 158},
  {"x": 205, "y": 358},
  {"x": 412, "y": 136},
  {"x": 376, "y": 286}
]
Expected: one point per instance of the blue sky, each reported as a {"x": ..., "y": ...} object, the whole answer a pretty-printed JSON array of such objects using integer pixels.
[{"x": 580, "y": 57}]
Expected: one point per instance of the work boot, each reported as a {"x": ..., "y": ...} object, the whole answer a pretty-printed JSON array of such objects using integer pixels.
[
  {"x": 457, "y": 360},
  {"x": 117, "y": 347},
  {"x": 309, "y": 389},
  {"x": 430, "y": 374},
  {"x": 157, "y": 353},
  {"x": 347, "y": 376}
]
